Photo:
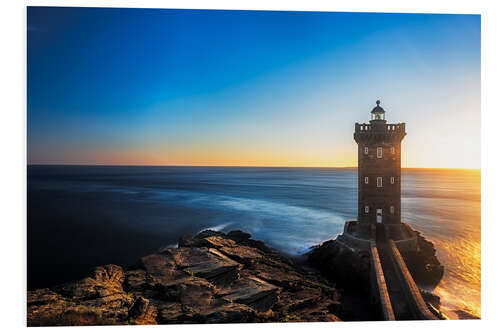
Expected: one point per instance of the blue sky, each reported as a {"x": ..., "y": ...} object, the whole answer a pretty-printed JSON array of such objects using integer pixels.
[{"x": 201, "y": 87}]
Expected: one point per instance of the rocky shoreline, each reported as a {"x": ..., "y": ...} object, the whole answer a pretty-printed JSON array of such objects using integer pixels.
[
  {"x": 215, "y": 277},
  {"x": 210, "y": 278}
]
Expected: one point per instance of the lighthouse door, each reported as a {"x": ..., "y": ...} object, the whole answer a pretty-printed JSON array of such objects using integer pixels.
[{"x": 379, "y": 215}]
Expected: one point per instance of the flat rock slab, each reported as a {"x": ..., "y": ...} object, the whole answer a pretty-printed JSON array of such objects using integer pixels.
[
  {"x": 253, "y": 292},
  {"x": 161, "y": 267},
  {"x": 219, "y": 242},
  {"x": 225, "y": 313},
  {"x": 207, "y": 263},
  {"x": 138, "y": 279},
  {"x": 244, "y": 254}
]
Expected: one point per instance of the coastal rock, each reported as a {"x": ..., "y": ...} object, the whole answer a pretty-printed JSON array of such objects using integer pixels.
[
  {"x": 423, "y": 264},
  {"x": 143, "y": 312},
  {"x": 433, "y": 303},
  {"x": 462, "y": 314},
  {"x": 432, "y": 299},
  {"x": 350, "y": 269},
  {"x": 350, "y": 266},
  {"x": 138, "y": 279},
  {"x": 346, "y": 261},
  {"x": 161, "y": 268},
  {"x": 103, "y": 281},
  {"x": 207, "y": 263},
  {"x": 239, "y": 236},
  {"x": 253, "y": 292},
  {"x": 98, "y": 299},
  {"x": 200, "y": 239},
  {"x": 211, "y": 278}
]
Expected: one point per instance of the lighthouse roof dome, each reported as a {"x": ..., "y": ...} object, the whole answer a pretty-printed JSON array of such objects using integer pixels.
[{"x": 378, "y": 108}]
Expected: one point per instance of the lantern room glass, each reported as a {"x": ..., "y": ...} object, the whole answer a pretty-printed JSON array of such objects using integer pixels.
[{"x": 378, "y": 116}]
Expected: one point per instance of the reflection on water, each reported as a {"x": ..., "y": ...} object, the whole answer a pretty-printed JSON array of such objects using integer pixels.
[
  {"x": 445, "y": 205},
  {"x": 117, "y": 214}
]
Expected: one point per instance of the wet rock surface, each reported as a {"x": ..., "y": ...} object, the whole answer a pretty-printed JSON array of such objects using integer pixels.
[{"x": 210, "y": 278}]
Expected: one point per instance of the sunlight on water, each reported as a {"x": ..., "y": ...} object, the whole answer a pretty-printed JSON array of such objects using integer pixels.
[
  {"x": 446, "y": 207},
  {"x": 461, "y": 285}
]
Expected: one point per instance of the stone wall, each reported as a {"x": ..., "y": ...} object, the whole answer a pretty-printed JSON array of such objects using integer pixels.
[
  {"x": 354, "y": 242},
  {"x": 380, "y": 294},
  {"x": 387, "y": 137},
  {"x": 411, "y": 290}
]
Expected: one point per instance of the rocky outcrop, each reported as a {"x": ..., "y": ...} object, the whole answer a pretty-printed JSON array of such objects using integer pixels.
[
  {"x": 95, "y": 300},
  {"x": 349, "y": 268},
  {"x": 210, "y": 278},
  {"x": 347, "y": 262},
  {"x": 423, "y": 264},
  {"x": 349, "y": 265},
  {"x": 462, "y": 314}
]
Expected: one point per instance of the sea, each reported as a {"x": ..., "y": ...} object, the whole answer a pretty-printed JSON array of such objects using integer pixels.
[{"x": 83, "y": 216}]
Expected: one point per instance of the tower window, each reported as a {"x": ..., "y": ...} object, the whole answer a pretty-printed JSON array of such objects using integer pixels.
[
  {"x": 393, "y": 151},
  {"x": 379, "y": 152},
  {"x": 366, "y": 150},
  {"x": 367, "y": 209},
  {"x": 392, "y": 209},
  {"x": 379, "y": 181},
  {"x": 366, "y": 180},
  {"x": 392, "y": 180}
]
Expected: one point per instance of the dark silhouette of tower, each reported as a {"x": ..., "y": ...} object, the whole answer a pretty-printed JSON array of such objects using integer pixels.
[{"x": 379, "y": 169}]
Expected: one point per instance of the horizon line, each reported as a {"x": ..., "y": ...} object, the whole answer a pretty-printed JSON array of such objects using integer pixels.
[{"x": 234, "y": 166}]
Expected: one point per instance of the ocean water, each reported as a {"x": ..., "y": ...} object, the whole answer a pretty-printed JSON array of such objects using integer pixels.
[{"x": 83, "y": 216}]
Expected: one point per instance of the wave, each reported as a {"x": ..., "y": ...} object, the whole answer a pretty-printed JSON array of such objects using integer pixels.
[
  {"x": 169, "y": 246},
  {"x": 289, "y": 228},
  {"x": 216, "y": 228}
]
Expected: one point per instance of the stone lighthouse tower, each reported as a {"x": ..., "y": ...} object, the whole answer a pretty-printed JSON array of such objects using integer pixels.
[{"x": 379, "y": 169}]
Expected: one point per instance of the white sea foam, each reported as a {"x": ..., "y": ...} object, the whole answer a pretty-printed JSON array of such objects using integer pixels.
[
  {"x": 218, "y": 227},
  {"x": 292, "y": 229},
  {"x": 170, "y": 246}
]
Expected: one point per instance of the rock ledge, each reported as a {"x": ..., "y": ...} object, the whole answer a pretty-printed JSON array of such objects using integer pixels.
[{"x": 210, "y": 278}]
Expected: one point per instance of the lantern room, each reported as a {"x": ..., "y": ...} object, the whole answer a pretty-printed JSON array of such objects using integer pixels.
[{"x": 378, "y": 113}]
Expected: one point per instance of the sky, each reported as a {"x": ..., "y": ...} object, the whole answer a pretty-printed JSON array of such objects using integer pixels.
[{"x": 248, "y": 88}]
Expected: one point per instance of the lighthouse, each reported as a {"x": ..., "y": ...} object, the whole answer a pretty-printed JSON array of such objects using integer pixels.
[{"x": 379, "y": 169}]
